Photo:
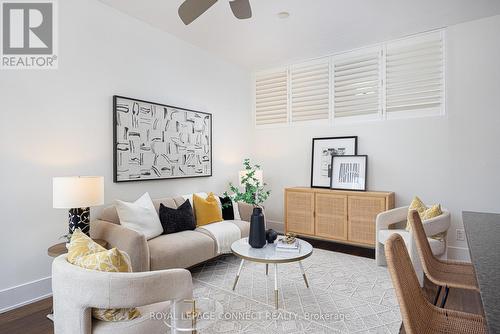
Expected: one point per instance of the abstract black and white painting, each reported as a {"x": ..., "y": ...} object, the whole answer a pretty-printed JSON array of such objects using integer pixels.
[
  {"x": 154, "y": 141},
  {"x": 322, "y": 151},
  {"x": 349, "y": 172}
]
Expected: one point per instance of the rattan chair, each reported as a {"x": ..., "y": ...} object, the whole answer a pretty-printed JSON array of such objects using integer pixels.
[
  {"x": 443, "y": 273},
  {"x": 419, "y": 316}
]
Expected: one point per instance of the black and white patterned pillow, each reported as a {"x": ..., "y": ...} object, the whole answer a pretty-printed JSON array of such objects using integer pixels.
[{"x": 177, "y": 220}]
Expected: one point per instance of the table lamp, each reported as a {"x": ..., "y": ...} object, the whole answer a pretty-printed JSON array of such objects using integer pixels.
[{"x": 78, "y": 194}]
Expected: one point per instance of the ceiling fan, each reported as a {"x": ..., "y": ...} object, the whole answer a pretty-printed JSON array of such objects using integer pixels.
[{"x": 190, "y": 10}]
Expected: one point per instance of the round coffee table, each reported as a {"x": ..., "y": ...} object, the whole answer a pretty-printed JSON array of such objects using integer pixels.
[{"x": 269, "y": 255}]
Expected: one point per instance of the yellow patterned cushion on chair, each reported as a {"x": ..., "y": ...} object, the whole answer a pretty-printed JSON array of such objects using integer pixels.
[
  {"x": 426, "y": 213},
  {"x": 111, "y": 260},
  {"x": 206, "y": 210},
  {"x": 432, "y": 212},
  {"x": 86, "y": 253},
  {"x": 418, "y": 205},
  {"x": 81, "y": 245}
]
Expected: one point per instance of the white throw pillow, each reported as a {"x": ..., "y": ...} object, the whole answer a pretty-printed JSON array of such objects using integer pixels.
[
  {"x": 140, "y": 216},
  {"x": 236, "y": 211}
]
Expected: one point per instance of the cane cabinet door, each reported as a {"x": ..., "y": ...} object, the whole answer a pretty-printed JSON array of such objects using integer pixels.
[{"x": 299, "y": 212}]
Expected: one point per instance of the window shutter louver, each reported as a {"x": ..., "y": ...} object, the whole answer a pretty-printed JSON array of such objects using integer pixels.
[
  {"x": 415, "y": 74},
  {"x": 271, "y": 98},
  {"x": 357, "y": 83},
  {"x": 310, "y": 91}
]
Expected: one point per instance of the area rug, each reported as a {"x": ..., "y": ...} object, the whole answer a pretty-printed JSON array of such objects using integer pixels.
[{"x": 347, "y": 294}]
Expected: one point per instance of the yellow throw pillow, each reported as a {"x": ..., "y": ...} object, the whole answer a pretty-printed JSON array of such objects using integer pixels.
[
  {"x": 206, "y": 210},
  {"x": 81, "y": 245},
  {"x": 86, "y": 253},
  {"x": 432, "y": 212},
  {"x": 424, "y": 212},
  {"x": 418, "y": 205},
  {"x": 111, "y": 260}
]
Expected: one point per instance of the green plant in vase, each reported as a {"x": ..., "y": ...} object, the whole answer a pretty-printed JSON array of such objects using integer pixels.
[
  {"x": 254, "y": 188},
  {"x": 254, "y": 193}
]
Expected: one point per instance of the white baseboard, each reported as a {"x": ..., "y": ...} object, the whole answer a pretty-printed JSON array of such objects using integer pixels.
[
  {"x": 458, "y": 254},
  {"x": 24, "y": 294}
]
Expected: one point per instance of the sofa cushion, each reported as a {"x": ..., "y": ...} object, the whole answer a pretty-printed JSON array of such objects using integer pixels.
[
  {"x": 227, "y": 208},
  {"x": 110, "y": 214},
  {"x": 245, "y": 210},
  {"x": 180, "y": 250},
  {"x": 206, "y": 210},
  {"x": 438, "y": 247},
  {"x": 177, "y": 220},
  {"x": 243, "y": 226},
  {"x": 169, "y": 202},
  {"x": 140, "y": 216}
]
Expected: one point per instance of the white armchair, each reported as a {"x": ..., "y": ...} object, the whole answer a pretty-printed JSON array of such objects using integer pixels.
[
  {"x": 394, "y": 221},
  {"x": 77, "y": 290}
]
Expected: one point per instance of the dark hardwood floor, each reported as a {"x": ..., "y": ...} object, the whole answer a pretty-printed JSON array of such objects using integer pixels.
[
  {"x": 31, "y": 319},
  {"x": 341, "y": 248}
]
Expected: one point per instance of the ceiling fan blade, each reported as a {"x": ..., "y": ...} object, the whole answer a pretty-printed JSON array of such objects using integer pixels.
[
  {"x": 241, "y": 9},
  {"x": 190, "y": 10}
]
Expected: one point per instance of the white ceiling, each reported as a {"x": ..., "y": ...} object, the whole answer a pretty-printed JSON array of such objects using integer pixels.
[{"x": 314, "y": 28}]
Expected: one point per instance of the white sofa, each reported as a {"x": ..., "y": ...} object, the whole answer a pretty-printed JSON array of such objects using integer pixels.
[
  {"x": 76, "y": 291},
  {"x": 177, "y": 250},
  {"x": 394, "y": 221}
]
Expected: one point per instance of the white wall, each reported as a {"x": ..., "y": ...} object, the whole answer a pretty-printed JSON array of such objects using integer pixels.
[
  {"x": 453, "y": 160},
  {"x": 59, "y": 123}
]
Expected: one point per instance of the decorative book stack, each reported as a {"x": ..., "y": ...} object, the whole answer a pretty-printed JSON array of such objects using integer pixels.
[{"x": 282, "y": 245}]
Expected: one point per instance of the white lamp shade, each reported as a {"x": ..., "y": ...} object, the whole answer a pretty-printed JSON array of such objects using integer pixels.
[
  {"x": 258, "y": 175},
  {"x": 77, "y": 191}
]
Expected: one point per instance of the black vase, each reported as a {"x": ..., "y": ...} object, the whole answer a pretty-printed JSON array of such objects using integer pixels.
[
  {"x": 257, "y": 236},
  {"x": 271, "y": 235}
]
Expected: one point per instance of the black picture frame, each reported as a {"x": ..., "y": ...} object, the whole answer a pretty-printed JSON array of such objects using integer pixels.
[
  {"x": 313, "y": 185},
  {"x": 365, "y": 173},
  {"x": 115, "y": 140}
]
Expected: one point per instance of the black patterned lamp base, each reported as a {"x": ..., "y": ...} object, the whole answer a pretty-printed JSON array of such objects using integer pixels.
[{"x": 79, "y": 218}]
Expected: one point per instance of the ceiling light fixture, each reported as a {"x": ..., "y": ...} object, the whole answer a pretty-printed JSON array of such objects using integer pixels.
[{"x": 283, "y": 15}]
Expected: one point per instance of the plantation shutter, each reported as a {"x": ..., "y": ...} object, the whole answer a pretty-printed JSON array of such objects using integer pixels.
[
  {"x": 271, "y": 98},
  {"x": 414, "y": 74},
  {"x": 357, "y": 83},
  {"x": 310, "y": 91}
]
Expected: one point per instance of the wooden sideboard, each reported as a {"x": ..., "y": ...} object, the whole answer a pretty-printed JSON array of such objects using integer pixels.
[{"x": 337, "y": 215}]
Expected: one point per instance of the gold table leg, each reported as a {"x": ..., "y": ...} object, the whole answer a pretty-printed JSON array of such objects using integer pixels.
[
  {"x": 304, "y": 274},
  {"x": 238, "y": 274},
  {"x": 276, "y": 285}
]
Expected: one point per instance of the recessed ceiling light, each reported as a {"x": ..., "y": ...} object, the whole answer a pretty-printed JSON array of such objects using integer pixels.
[{"x": 283, "y": 15}]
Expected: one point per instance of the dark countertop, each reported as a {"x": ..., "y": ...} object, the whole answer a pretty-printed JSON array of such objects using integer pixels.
[{"x": 483, "y": 236}]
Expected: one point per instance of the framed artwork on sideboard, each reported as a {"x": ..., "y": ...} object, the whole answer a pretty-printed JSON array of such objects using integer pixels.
[
  {"x": 349, "y": 172},
  {"x": 322, "y": 151}
]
